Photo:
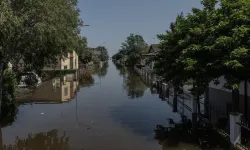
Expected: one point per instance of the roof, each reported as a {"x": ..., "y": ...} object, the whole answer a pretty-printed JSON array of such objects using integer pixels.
[{"x": 154, "y": 48}]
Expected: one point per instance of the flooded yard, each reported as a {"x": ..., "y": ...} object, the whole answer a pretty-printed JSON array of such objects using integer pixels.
[{"x": 112, "y": 110}]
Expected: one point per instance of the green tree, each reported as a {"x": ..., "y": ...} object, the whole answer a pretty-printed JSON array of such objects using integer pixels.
[
  {"x": 37, "y": 32},
  {"x": 103, "y": 53},
  {"x": 133, "y": 47},
  {"x": 232, "y": 44},
  {"x": 206, "y": 44},
  {"x": 168, "y": 64},
  {"x": 196, "y": 53},
  {"x": 85, "y": 54}
]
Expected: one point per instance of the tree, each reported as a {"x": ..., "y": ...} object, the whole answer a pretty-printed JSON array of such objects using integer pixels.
[
  {"x": 232, "y": 44},
  {"x": 103, "y": 53},
  {"x": 206, "y": 44},
  {"x": 168, "y": 64},
  {"x": 196, "y": 54},
  {"x": 133, "y": 48},
  {"x": 85, "y": 54},
  {"x": 37, "y": 32}
]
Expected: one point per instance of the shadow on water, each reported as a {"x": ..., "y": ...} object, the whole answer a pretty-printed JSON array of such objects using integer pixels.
[{"x": 199, "y": 136}]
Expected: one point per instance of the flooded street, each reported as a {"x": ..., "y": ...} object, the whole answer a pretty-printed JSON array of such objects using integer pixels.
[{"x": 115, "y": 110}]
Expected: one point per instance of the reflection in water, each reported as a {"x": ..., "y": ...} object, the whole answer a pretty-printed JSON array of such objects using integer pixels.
[
  {"x": 86, "y": 79},
  {"x": 60, "y": 89},
  {"x": 100, "y": 69},
  {"x": 122, "y": 70},
  {"x": 8, "y": 113},
  {"x": 133, "y": 84},
  {"x": 103, "y": 70},
  {"x": 43, "y": 140},
  {"x": 98, "y": 118},
  {"x": 185, "y": 134}
]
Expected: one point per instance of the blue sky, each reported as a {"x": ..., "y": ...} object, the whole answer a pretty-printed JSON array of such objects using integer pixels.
[{"x": 111, "y": 21}]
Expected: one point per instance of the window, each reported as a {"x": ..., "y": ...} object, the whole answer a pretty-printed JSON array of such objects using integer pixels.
[{"x": 65, "y": 67}]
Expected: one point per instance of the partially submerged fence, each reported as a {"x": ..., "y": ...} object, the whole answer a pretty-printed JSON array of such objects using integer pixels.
[{"x": 245, "y": 132}]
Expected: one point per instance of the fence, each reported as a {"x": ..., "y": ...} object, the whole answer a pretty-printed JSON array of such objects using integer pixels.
[{"x": 245, "y": 132}]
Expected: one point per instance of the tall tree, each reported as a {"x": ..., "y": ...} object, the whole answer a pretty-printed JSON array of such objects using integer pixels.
[
  {"x": 133, "y": 48},
  {"x": 168, "y": 64},
  {"x": 103, "y": 53},
  {"x": 232, "y": 44}
]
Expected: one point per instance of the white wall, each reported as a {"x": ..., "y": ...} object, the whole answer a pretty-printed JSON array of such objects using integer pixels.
[{"x": 223, "y": 81}]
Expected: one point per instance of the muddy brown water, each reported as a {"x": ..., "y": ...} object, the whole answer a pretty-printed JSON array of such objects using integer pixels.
[{"x": 113, "y": 111}]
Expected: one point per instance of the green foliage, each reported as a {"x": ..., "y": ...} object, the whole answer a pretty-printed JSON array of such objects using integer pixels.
[
  {"x": 104, "y": 53},
  {"x": 85, "y": 54},
  {"x": 206, "y": 44},
  {"x": 133, "y": 48},
  {"x": 37, "y": 32}
]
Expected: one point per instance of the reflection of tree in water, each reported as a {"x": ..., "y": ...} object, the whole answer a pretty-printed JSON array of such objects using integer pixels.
[
  {"x": 184, "y": 135},
  {"x": 104, "y": 70},
  {"x": 134, "y": 85},
  {"x": 101, "y": 72},
  {"x": 42, "y": 141},
  {"x": 9, "y": 113},
  {"x": 9, "y": 108},
  {"x": 122, "y": 70},
  {"x": 86, "y": 79}
]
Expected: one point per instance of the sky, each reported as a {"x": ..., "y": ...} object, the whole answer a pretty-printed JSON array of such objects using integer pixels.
[{"x": 111, "y": 21}]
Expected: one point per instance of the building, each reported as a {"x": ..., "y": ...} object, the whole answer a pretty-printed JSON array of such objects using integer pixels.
[
  {"x": 152, "y": 52},
  {"x": 70, "y": 61}
]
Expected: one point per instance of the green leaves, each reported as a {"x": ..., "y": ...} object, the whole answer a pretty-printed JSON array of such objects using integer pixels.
[
  {"x": 206, "y": 44},
  {"x": 104, "y": 53},
  {"x": 239, "y": 53},
  {"x": 37, "y": 32},
  {"x": 133, "y": 48},
  {"x": 233, "y": 64}
]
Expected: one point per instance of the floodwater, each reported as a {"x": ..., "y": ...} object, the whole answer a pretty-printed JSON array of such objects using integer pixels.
[{"x": 111, "y": 110}]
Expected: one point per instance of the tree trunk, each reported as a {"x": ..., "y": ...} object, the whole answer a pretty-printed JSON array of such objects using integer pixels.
[
  {"x": 1, "y": 86},
  {"x": 167, "y": 92},
  {"x": 206, "y": 102},
  {"x": 198, "y": 104},
  {"x": 175, "y": 100},
  {"x": 246, "y": 99},
  {"x": 235, "y": 100},
  {"x": 1, "y": 138}
]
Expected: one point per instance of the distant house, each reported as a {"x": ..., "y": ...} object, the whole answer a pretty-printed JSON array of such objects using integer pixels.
[
  {"x": 70, "y": 61},
  {"x": 152, "y": 52}
]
